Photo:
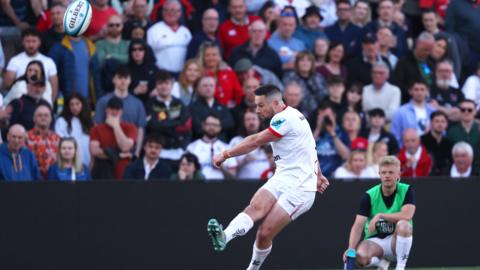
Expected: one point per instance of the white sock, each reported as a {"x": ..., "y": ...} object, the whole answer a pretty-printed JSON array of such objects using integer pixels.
[
  {"x": 373, "y": 262},
  {"x": 258, "y": 257},
  {"x": 239, "y": 226},
  {"x": 402, "y": 249}
]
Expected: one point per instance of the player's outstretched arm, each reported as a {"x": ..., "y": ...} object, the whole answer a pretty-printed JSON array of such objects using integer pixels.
[
  {"x": 355, "y": 233},
  {"x": 407, "y": 212}
]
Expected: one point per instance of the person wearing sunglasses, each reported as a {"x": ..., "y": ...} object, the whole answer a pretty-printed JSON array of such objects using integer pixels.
[{"x": 113, "y": 47}]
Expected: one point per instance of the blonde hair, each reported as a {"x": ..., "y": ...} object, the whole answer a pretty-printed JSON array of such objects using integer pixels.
[
  {"x": 389, "y": 160},
  {"x": 348, "y": 163},
  {"x": 182, "y": 79},
  {"x": 371, "y": 151},
  {"x": 201, "y": 53},
  {"x": 77, "y": 160}
]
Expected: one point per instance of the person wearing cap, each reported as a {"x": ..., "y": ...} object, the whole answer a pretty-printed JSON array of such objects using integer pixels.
[
  {"x": 112, "y": 142},
  {"x": 244, "y": 68},
  {"x": 310, "y": 30},
  {"x": 377, "y": 132}
]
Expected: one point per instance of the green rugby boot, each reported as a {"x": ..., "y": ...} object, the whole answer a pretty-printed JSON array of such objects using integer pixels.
[{"x": 215, "y": 230}]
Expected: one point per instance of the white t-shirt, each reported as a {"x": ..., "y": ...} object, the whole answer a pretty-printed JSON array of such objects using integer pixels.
[
  {"x": 295, "y": 154},
  {"x": 471, "y": 89},
  {"x": 422, "y": 119},
  {"x": 205, "y": 151},
  {"x": 19, "y": 63},
  {"x": 169, "y": 46},
  {"x": 83, "y": 140},
  {"x": 368, "y": 172},
  {"x": 253, "y": 169}
]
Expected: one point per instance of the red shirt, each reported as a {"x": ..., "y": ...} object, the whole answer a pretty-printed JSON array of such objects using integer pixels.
[
  {"x": 423, "y": 167},
  {"x": 232, "y": 35},
  {"x": 99, "y": 20},
  {"x": 103, "y": 133},
  {"x": 44, "y": 148},
  {"x": 228, "y": 91}
]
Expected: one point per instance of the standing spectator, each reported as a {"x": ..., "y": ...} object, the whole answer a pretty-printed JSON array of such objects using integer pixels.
[
  {"x": 169, "y": 117},
  {"x": 283, "y": 42},
  {"x": 133, "y": 110},
  {"x": 299, "y": 6},
  {"x": 41, "y": 140},
  {"x": 415, "y": 114},
  {"x": 310, "y": 30},
  {"x": 31, "y": 42},
  {"x": 189, "y": 169},
  {"x": 169, "y": 39},
  {"x": 437, "y": 143},
  {"x": 336, "y": 90},
  {"x": 377, "y": 131},
  {"x": 234, "y": 31},
  {"x": 356, "y": 167},
  {"x": 17, "y": 163},
  {"x": 251, "y": 165},
  {"x": 462, "y": 154},
  {"x": 344, "y": 31},
  {"x": 415, "y": 160},
  {"x": 257, "y": 50},
  {"x": 250, "y": 84},
  {"x": 320, "y": 51},
  {"x": 19, "y": 14},
  {"x": 352, "y": 124},
  {"x": 151, "y": 166},
  {"x": 269, "y": 14},
  {"x": 352, "y": 99},
  {"x": 414, "y": 66},
  {"x": 112, "y": 47},
  {"x": 75, "y": 121},
  {"x": 440, "y": 52},
  {"x": 210, "y": 145},
  {"x": 138, "y": 18},
  {"x": 210, "y": 22},
  {"x": 56, "y": 32},
  {"x": 228, "y": 91},
  {"x": 244, "y": 68},
  {"x": 334, "y": 62},
  {"x": 362, "y": 14},
  {"x": 141, "y": 64},
  {"x": 386, "y": 42},
  {"x": 293, "y": 96},
  {"x": 381, "y": 94},
  {"x": 183, "y": 89},
  {"x": 471, "y": 87},
  {"x": 68, "y": 166},
  {"x": 111, "y": 143},
  {"x": 101, "y": 12}
]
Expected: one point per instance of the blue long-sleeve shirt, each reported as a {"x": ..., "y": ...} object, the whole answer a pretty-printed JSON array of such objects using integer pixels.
[{"x": 21, "y": 166}]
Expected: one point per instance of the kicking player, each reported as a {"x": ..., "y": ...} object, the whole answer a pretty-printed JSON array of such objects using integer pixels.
[
  {"x": 385, "y": 216},
  {"x": 291, "y": 190}
]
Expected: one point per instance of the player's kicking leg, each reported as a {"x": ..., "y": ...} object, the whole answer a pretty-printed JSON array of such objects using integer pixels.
[{"x": 402, "y": 243}]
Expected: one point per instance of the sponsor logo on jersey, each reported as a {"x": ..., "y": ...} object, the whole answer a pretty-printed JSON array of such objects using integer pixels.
[
  {"x": 276, "y": 158},
  {"x": 278, "y": 123},
  {"x": 256, "y": 262}
]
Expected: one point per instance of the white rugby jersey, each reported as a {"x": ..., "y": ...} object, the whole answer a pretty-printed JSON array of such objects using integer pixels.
[{"x": 294, "y": 154}]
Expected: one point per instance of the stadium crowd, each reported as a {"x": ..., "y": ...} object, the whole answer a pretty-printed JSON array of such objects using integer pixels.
[{"x": 155, "y": 88}]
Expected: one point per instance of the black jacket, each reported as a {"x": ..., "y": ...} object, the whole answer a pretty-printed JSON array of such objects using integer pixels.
[
  {"x": 266, "y": 58},
  {"x": 387, "y": 138},
  {"x": 136, "y": 171},
  {"x": 200, "y": 109}
]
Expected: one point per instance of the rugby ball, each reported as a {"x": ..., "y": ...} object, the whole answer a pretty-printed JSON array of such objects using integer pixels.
[{"x": 77, "y": 17}]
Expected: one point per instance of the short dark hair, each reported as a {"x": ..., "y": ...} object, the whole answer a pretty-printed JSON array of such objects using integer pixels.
[
  {"x": 438, "y": 113},
  {"x": 191, "y": 158},
  {"x": 31, "y": 32},
  {"x": 376, "y": 112},
  {"x": 428, "y": 10},
  {"x": 418, "y": 81},
  {"x": 335, "y": 79},
  {"x": 214, "y": 115},
  {"x": 163, "y": 76},
  {"x": 122, "y": 71},
  {"x": 469, "y": 101},
  {"x": 154, "y": 138},
  {"x": 343, "y": 2},
  {"x": 267, "y": 90},
  {"x": 115, "y": 103}
]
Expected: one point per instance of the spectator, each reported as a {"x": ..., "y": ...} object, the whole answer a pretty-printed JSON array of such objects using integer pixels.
[
  {"x": 386, "y": 42},
  {"x": 138, "y": 18},
  {"x": 248, "y": 101},
  {"x": 312, "y": 83},
  {"x": 415, "y": 114},
  {"x": 268, "y": 173},
  {"x": 257, "y": 50},
  {"x": 415, "y": 160},
  {"x": 378, "y": 133},
  {"x": 336, "y": 89},
  {"x": 112, "y": 47},
  {"x": 141, "y": 64},
  {"x": 133, "y": 111},
  {"x": 68, "y": 166},
  {"x": 356, "y": 167},
  {"x": 253, "y": 164},
  {"x": 353, "y": 102},
  {"x": 228, "y": 91},
  {"x": 210, "y": 22},
  {"x": 344, "y": 31},
  {"x": 381, "y": 94},
  {"x": 462, "y": 154},
  {"x": 17, "y": 163},
  {"x": 111, "y": 143},
  {"x": 101, "y": 12},
  {"x": 186, "y": 9},
  {"x": 362, "y": 14},
  {"x": 150, "y": 167},
  {"x": 269, "y": 13},
  {"x": 205, "y": 105},
  {"x": 31, "y": 42},
  {"x": 18, "y": 14},
  {"x": 169, "y": 39},
  {"x": 444, "y": 97},
  {"x": 320, "y": 51},
  {"x": 209, "y": 146},
  {"x": 310, "y": 30},
  {"x": 190, "y": 169},
  {"x": 75, "y": 121},
  {"x": 183, "y": 88},
  {"x": 169, "y": 117},
  {"x": 254, "y": 6},
  {"x": 334, "y": 62},
  {"x": 56, "y": 32},
  {"x": 19, "y": 87},
  {"x": 202, "y": 5},
  {"x": 471, "y": 87},
  {"x": 351, "y": 124},
  {"x": 244, "y": 69},
  {"x": 137, "y": 32},
  {"x": 377, "y": 151},
  {"x": 414, "y": 66},
  {"x": 293, "y": 96},
  {"x": 78, "y": 67},
  {"x": 299, "y": 6},
  {"x": 441, "y": 52},
  {"x": 41, "y": 140},
  {"x": 437, "y": 143},
  {"x": 283, "y": 41}
]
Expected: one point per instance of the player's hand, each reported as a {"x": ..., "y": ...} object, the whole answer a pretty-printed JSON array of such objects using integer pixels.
[
  {"x": 322, "y": 183},
  {"x": 218, "y": 160},
  {"x": 372, "y": 226}
]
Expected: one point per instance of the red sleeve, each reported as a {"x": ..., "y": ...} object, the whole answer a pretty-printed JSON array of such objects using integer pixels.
[
  {"x": 222, "y": 31},
  {"x": 237, "y": 88},
  {"x": 94, "y": 136},
  {"x": 278, "y": 135},
  {"x": 130, "y": 131}
]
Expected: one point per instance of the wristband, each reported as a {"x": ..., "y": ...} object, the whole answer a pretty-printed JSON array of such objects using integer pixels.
[{"x": 226, "y": 154}]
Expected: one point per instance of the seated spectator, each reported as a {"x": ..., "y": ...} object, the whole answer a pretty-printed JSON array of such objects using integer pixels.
[
  {"x": 17, "y": 162},
  {"x": 244, "y": 68},
  {"x": 351, "y": 124},
  {"x": 415, "y": 160},
  {"x": 19, "y": 87},
  {"x": 112, "y": 47},
  {"x": 150, "y": 167},
  {"x": 441, "y": 52},
  {"x": 210, "y": 22},
  {"x": 209, "y": 146},
  {"x": 293, "y": 97},
  {"x": 356, "y": 167},
  {"x": 336, "y": 89},
  {"x": 462, "y": 155},
  {"x": 471, "y": 87},
  {"x": 56, "y": 31},
  {"x": 381, "y": 94},
  {"x": 353, "y": 102},
  {"x": 228, "y": 91},
  {"x": 137, "y": 32},
  {"x": 141, "y": 64},
  {"x": 320, "y": 51},
  {"x": 101, "y": 12},
  {"x": 111, "y": 143},
  {"x": 253, "y": 164},
  {"x": 386, "y": 42},
  {"x": 334, "y": 62},
  {"x": 377, "y": 131},
  {"x": 297, "y": 6},
  {"x": 310, "y": 30},
  {"x": 437, "y": 143},
  {"x": 69, "y": 165},
  {"x": 312, "y": 83},
  {"x": 139, "y": 17},
  {"x": 189, "y": 169},
  {"x": 168, "y": 117},
  {"x": 248, "y": 101},
  {"x": 269, "y": 13},
  {"x": 41, "y": 140},
  {"x": 183, "y": 89},
  {"x": 362, "y": 14},
  {"x": 415, "y": 114},
  {"x": 376, "y": 151}
]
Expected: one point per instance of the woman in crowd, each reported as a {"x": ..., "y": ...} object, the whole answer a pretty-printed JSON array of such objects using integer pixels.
[
  {"x": 334, "y": 64},
  {"x": 68, "y": 166},
  {"x": 353, "y": 102},
  {"x": 375, "y": 153},
  {"x": 362, "y": 14},
  {"x": 269, "y": 14},
  {"x": 320, "y": 51},
  {"x": 355, "y": 167},
  {"x": 183, "y": 89},
  {"x": 443, "y": 50},
  {"x": 351, "y": 124},
  {"x": 189, "y": 169},
  {"x": 75, "y": 121}
]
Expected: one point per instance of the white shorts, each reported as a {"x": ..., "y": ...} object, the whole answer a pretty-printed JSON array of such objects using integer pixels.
[
  {"x": 386, "y": 245},
  {"x": 293, "y": 200}
]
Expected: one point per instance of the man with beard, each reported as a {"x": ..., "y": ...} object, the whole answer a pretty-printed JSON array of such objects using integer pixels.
[
  {"x": 113, "y": 47},
  {"x": 208, "y": 146},
  {"x": 291, "y": 190},
  {"x": 55, "y": 33}
]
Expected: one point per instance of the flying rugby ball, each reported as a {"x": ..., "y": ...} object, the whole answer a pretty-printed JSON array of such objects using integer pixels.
[{"x": 77, "y": 17}]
